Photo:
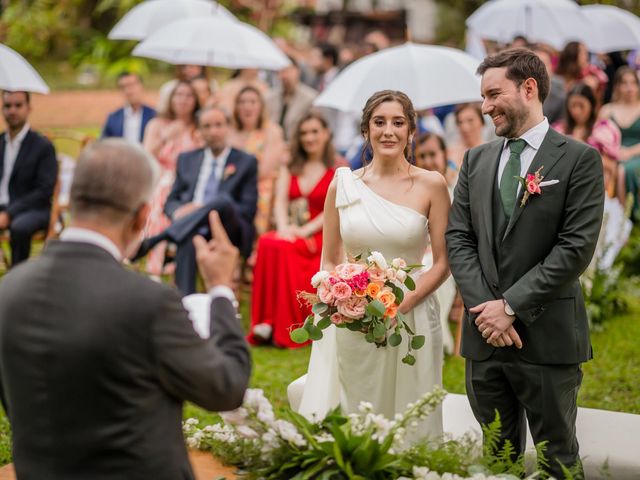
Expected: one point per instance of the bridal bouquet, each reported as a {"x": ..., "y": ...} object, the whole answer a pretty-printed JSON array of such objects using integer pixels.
[{"x": 362, "y": 296}]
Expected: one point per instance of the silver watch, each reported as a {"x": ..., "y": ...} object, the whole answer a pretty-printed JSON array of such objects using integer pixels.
[{"x": 507, "y": 308}]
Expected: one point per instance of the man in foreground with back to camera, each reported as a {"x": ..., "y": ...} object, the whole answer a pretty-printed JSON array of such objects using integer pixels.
[{"x": 96, "y": 360}]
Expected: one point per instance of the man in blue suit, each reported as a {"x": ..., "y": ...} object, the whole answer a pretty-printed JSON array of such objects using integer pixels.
[
  {"x": 129, "y": 121},
  {"x": 216, "y": 177}
]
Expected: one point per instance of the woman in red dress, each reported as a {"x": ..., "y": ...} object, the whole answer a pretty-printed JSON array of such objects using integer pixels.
[{"x": 288, "y": 257}]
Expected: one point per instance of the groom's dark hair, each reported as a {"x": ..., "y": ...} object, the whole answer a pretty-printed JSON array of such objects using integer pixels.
[{"x": 521, "y": 64}]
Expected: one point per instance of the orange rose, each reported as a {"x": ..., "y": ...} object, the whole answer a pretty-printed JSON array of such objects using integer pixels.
[
  {"x": 373, "y": 289},
  {"x": 387, "y": 298},
  {"x": 391, "y": 311},
  {"x": 360, "y": 293}
]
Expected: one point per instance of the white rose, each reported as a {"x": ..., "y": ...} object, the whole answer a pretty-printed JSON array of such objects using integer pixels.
[
  {"x": 318, "y": 278},
  {"x": 401, "y": 276},
  {"x": 378, "y": 259},
  {"x": 398, "y": 263}
]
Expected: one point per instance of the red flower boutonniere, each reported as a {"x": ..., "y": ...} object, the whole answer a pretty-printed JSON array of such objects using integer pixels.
[
  {"x": 228, "y": 171},
  {"x": 531, "y": 185}
]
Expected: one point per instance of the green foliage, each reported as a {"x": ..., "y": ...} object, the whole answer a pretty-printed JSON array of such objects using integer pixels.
[
  {"x": 5, "y": 440},
  {"x": 500, "y": 456},
  {"x": 605, "y": 295},
  {"x": 629, "y": 257}
]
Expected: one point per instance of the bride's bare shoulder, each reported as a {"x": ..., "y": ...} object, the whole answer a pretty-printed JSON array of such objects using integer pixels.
[{"x": 428, "y": 179}]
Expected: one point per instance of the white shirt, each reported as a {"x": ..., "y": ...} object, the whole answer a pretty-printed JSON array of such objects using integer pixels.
[
  {"x": 534, "y": 137},
  {"x": 84, "y": 235},
  {"x": 205, "y": 171},
  {"x": 11, "y": 149},
  {"x": 132, "y": 124}
]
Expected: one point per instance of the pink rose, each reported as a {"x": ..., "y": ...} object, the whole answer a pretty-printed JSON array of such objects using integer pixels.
[
  {"x": 325, "y": 295},
  {"x": 346, "y": 271},
  {"x": 341, "y": 291},
  {"x": 376, "y": 275},
  {"x": 533, "y": 187},
  {"x": 398, "y": 263},
  {"x": 337, "y": 319},
  {"x": 352, "y": 308}
]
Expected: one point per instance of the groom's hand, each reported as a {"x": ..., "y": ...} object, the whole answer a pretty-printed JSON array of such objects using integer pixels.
[{"x": 495, "y": 325}]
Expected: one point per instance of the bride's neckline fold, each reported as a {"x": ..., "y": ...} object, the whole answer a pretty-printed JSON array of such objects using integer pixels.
[{"x": 387, "y": 200}]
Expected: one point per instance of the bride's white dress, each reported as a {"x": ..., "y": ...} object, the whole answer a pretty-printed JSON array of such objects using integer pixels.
[{"x": 343, "y": 368}]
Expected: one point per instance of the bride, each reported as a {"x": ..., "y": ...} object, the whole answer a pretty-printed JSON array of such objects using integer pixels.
[{"x": 392, "y": 207}]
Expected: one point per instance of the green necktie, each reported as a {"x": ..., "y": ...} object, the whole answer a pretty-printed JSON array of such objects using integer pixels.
[{"x": 508, "y": 182}]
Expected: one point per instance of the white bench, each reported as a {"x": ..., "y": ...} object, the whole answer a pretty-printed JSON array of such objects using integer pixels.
[{"x": 604, "y": 437}]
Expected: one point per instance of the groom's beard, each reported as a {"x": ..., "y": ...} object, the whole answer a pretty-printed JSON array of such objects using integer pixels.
[{"x": 515, "y": 118}]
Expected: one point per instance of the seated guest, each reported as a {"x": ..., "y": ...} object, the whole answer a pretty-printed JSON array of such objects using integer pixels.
[
  {"x": 28, "y": 174},
  {"x": 129, "y": 121},
  {"x": 254, "y": 133},
  {"x": 581, "y": 123},
  {"x": 171, "y": 133},
  {"x": 216, "y": 177},
  {"x": 96, "y": 360},
  {"x": 431, "y": 154},
  {"x": 290, "y": 256}
]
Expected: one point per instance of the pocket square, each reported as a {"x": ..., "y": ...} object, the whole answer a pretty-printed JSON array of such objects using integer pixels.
[{"x": 548, "y": 183}]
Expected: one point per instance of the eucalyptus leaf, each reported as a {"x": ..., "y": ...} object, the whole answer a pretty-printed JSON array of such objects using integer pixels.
[
  {"x": 395, "y": 339},
  {"x": 417, "y": 342},
  {"x": 353, "y": 326},
  {"x": 319, "y": 308},
  {"x": 376, "y": 308},
  {"x": 314, "y": 333},
  {"x": 379, "y": 330},
  {"x": 369, "y": 337},
  {"x": 299, "y": 335},
  {"x": 323, "y": 323},
  {"x": 409, "y": 283},
  {"x": 399, "y": 293},
  {"x": 409, "y": 359}
]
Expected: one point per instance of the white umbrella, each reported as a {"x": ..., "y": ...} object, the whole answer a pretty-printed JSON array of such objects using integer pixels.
[
  {"x": 555, "y": 22},
  {"x": 431, "y": 76},
  {"x": 147, "y": 17},
  {"x": 619, "y": 29},
  {"x": 17, "y": 75},
  {"x": 213, "y": 41}
]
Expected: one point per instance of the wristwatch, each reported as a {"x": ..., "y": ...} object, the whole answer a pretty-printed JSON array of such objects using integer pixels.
[{"x": 507, "y": 308}]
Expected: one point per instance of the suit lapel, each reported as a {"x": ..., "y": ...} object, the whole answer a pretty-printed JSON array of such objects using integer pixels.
[
  {"x": 2, "y": 145},
  {"x": 487, "y": 178},
  {"x": 230, "y": 165},
  {"x": 551, "y": 150}
]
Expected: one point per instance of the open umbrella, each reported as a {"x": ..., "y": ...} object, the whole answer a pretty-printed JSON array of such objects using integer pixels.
[
  {"x": 555, "y": 22},
  {"x": 16, "y": 74},
  {"x": 147, "y": 17},
  {"x": 431, "y": 76},
  {"x": 619, "y": 29},
  {"x": 213, "y": 41}
]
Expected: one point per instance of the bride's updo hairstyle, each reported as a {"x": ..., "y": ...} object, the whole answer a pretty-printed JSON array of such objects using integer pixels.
[{"x": 374, "y": 102}]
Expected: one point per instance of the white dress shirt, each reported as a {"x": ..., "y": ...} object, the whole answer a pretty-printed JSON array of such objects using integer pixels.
[
  {"x": 84, "y": 235},
  {"x": 132, "y": 124},
  {"x": 205, "y": 171},
  {"x": 534, "y": 138},
  {"x": 11, "y": 149}
]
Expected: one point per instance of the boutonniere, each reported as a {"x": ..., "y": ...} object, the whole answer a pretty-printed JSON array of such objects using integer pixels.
[
  {"x": 531, "y": 185},
  {"x": 228, "y": 171}
]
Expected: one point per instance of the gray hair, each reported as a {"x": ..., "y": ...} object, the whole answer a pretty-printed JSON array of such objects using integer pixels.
[
  {"x": 219, "y": 108},
  {"x": 112, "y": 180}
]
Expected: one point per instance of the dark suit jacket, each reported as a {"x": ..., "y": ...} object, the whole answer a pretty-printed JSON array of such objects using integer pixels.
[
  {"x": 34, "y": 174},
  {"x": 547, "y": 244},
  {"x": 96, "y": 361},
  {"x": 115, "y": 122},
  {"x": 241, "y": 187}
]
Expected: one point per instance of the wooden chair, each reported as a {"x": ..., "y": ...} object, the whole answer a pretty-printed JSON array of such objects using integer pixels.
[{"x": 58, "y": 208}]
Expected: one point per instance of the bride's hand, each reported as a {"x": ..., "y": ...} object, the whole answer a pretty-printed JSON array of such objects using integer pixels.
[{"x": 407, "y": 303}]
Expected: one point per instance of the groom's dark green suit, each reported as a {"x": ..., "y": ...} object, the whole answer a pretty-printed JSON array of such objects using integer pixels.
[{"x": 533, "y": 260}]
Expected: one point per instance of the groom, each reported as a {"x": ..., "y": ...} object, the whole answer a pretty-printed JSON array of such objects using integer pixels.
[{"x": 517, "y": 258}]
